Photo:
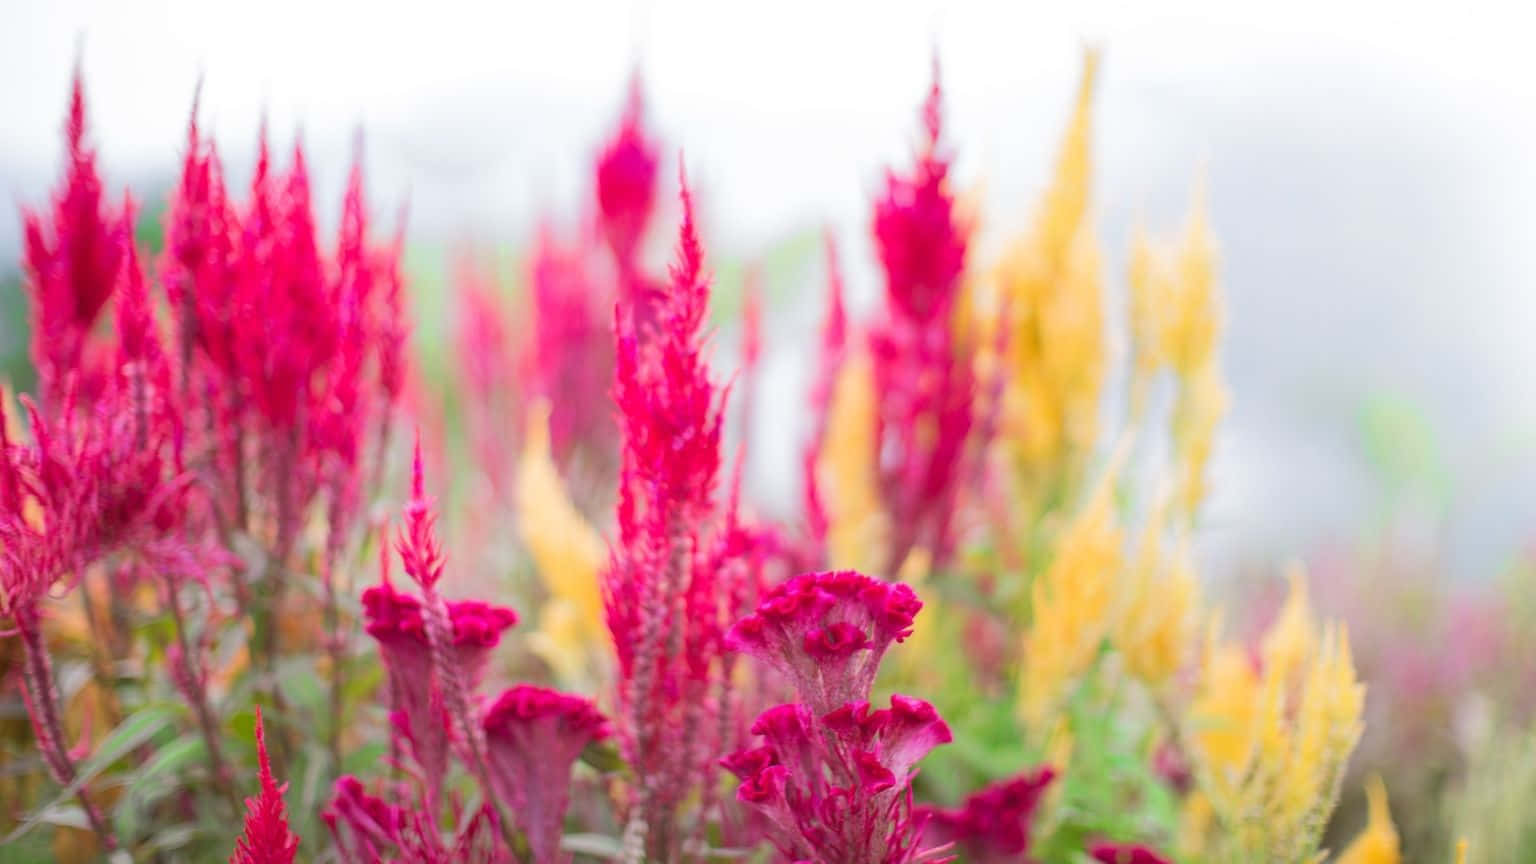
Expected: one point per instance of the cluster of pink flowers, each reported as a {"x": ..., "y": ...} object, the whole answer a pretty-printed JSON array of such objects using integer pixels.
[
  {"x": 520, "y": 748},
  {"x": 992, "y": 825},
  {"x": 832, "y": 780}
]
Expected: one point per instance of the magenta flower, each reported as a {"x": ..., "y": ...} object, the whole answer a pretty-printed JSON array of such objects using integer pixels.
[
  {"x": 827, "y": 632},
  {"x": 626, "y": 183},
  {"x": 832, "y": 778},
  {"x": 922, "y": 376},
  {"x": 993, "y": 825},
  {"x": 72, "y": 260},
  {"x": 1125, "y": 853},
  {"x": 267, "y": 838},
  {"x": 533, "y": 736}
]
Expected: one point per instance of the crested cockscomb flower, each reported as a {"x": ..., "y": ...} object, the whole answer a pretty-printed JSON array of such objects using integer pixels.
[
  {"x": 71, "y": 256},
  {"x": 1124, "y": 853},
  {"x": 923, "y": 376},
  {"x": 397, "y": 620},
  {"x": 832, "y": 778},
  {"x": 367, "y": 830},
  {"x": 827, "y": 632},
  {"x": 626, "y": 182},
  {"x": 267, "y": 838},
  {"x": 992, "y": 825},
  {"x": 533, "y": 736}
]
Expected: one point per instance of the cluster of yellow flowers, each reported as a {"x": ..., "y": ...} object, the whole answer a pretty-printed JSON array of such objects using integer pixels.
[
  {"x": 569, "y": 556},
  {"x": 1270, "y": 743}
]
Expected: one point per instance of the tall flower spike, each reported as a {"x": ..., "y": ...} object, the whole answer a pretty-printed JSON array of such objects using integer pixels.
[
  {"x": 922, "y": 373},
  {"x": 267, "y": 838},
  {"x": 420, "y": 553},
  {"x": 533, "y": 736},
  {"x": 72, "y": 257},
  {"x": 626, "y": 182}
]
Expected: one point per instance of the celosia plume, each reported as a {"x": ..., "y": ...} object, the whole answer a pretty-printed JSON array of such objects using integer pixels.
[
  {"x": 267, "y": 838},
  {"x": 1378, "y": 843},
  {"x": 72, "y": 259},
  {"x": 922, "y": 377}
]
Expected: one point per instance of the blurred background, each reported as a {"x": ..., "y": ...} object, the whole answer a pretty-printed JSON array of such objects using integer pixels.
[{"x": 1368, "y": 167}]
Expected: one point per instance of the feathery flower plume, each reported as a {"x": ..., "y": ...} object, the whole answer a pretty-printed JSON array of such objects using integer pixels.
[
  {"x": 1050, "y": 289},
  {"x": 533, "y": 736},
  {"x": 1378, "y": 843},
  {"x": 267, "y": 838},
  {"x": 829, "y": 363},
  {"x": 569, "y": 556},
  {"x": 662, "y": 601},
  {"x": 72, "y": 260},
  {"x": 992, "y": 826},
  {"x": 626, "y": 185},
  {"x": 1273, "y": 744},
  {"x": 1160, "y": 596},
  {"x": 923, "y": 377},
  {"x": 832, "y": 779},
  {"x": 1072, "y": 607},
  {"x": 572, "y": 356}
]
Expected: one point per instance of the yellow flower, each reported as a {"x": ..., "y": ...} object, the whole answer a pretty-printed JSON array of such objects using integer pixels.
[
  {"x": 1461, "y": 851},
  {"x": 569, "y": 556},
  {"x": 1378, "y": 843},
  {"x": 1071, "y": 606},
  {"x": 1160, "y": 595},
  {"x": 1201, "y": 402},
  {"x": 1271, "y": 748},
  {"x": 1049, "y": 288},
  {"x": 857, "y": 528}
]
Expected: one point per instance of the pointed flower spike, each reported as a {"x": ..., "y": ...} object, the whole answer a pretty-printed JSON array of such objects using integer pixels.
[{"x": 267, "y": 838}]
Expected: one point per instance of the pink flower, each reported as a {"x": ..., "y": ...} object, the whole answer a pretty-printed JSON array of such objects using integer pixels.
[
  {"x": 832, "y": 778},
  {"x": 72, "y": 258},
  {"x": 838, "y": 787},
  {"x": 827, "y": 632},
  {"x": 993, "y": 824},
  {"x": 267, "y": 838},
  {"x": 626, "y": 183},
  {"x": 923, "y": 378},
  {"x": 1125, "y": 853},
  {"x": 572, "y": 353},
  {"x": 533, "y": 736}
]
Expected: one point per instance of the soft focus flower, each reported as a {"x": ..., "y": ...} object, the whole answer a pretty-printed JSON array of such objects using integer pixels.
[
  {"x": 569, "y": 556},
  {"x": 1125, "y": 853},
  {"x": 72, "y": 259},
  {"x": 1050, "y": 293},
  {"x": 626, "y": 183},
  {"x": 922, "y": 377},
  {"x": 1156, "y": 624},
  {"x": 1378, "y": 843},
  {"x": 534, "y": 736},
  {"x": 1072, "y": 607},
  {"x": 992, "y": 826},
  {"x": 1272, "y": 743},
  {"x": 847, "y": 470},
  {"x": 267, "y": 838}
]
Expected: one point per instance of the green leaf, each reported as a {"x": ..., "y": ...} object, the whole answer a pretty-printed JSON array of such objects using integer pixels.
[{"x": 132, "y": 732}]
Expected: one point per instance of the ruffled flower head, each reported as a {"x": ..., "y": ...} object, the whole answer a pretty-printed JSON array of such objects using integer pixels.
[
  {"x": 533, "y": 736},
  {"x": 827, "y": 632}
]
